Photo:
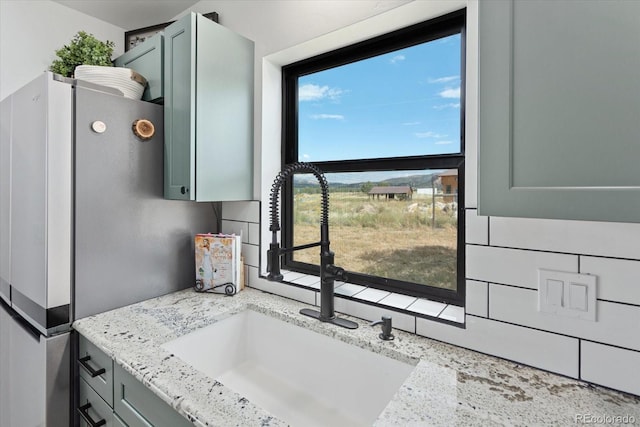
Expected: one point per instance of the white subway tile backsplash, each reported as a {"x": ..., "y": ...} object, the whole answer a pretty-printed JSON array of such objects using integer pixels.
[
  {"x": 618, "y": 279},
  {"x": 398, "y": 300},
  {"x": 452, "y": 313},
  {"x": 373, "y": 295},
  {"x": 552, "y": 352},
  {"x": 580, "y": 237},
  {"x": 308, "y": 280},
  {"x": 513, "y": 266},
  {"x": 290, "y": 276},
  {"x": 348, "y": 289},
  {"x": 610, "y": 366},
  {"x": 617, "y": 324},
  {"x": 477, "y": 298},
  {"x": 372, "y": 313},
  {"x": 254, "y": 234},
  {"x": 426, "y": 307},
  {"x": 476, "y": 228},
  {"x": 248, "y": 211},
  {"x": 235, "y": 227},
  {"x": 283, "y": 289},
  {"x": 251, "y": 255}
]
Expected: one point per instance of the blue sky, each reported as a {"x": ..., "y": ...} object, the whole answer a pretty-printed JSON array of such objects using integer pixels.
[{"x": 402, "y": 103}]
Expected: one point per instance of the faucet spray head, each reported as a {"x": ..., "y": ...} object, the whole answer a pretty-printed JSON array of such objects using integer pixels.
[{"x": 273, "y": 263}]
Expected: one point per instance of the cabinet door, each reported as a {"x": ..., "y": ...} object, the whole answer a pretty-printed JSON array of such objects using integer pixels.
[
  {"x": 137, "y": 406},
  {"x": 559, "y": 109},
  {"x": 224, "y": 108},
  {"x": 179, "y": 108},
  {"x": 147, "y": 59},
  {"x": 208, "y": 112}
]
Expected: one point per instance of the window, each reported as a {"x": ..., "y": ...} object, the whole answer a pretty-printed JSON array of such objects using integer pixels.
[{"x": 384, "y": 120}]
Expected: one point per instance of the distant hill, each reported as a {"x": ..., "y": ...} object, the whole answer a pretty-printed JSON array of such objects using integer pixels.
[{"x": 415, "y": 181}]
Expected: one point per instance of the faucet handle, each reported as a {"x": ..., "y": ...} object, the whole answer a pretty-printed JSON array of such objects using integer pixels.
[
  {"x": 336, "y": 272},
  {"x": 386, "y": 334}
]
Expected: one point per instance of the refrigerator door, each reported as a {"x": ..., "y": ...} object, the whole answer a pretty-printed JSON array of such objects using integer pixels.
[
  {"x": 5, "y": 389},
  {"x": 41, "y": 203},
  {"x": 34, "y": 375},
  {"x": 5, "y": 192},
  {"x": 130, "y": 243}
]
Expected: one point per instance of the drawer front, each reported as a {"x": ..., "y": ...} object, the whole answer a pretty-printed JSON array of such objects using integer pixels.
[
  {"x": 96, "y": 368},
  {"x": 138, "y": 406},
  {"x": 92, "y": 409}
]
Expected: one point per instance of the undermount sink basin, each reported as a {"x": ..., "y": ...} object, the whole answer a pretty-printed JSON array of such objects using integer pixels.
[{"x": 300, "y": 376}]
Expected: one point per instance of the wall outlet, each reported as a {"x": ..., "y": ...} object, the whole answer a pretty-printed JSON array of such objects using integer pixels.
[{"x": 567, "y": 294}]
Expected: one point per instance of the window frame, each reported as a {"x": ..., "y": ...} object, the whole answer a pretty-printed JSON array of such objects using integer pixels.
[{"x": 446, "y": 25}]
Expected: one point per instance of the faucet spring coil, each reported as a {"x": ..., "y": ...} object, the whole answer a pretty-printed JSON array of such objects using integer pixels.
[{"x": 279, "y": 181}]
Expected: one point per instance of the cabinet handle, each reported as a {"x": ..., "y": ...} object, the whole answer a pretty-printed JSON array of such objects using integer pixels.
[
  {"x": 93, "y": 372},
  {"x": 84, "y": 413}
]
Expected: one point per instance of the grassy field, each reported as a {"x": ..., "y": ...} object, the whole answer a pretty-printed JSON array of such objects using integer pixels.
[{"x": 388, "y": 238}]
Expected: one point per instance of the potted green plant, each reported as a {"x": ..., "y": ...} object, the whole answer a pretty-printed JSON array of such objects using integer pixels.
[
  {"x": 87, "y": 58},
  {"x": 84, "y": 49}
]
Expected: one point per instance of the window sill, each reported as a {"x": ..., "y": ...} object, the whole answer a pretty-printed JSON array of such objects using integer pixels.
[{"x": 358, "y": 300}]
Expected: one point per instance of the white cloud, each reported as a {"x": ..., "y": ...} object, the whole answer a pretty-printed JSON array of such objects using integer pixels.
[
  {"x": 450, "y": 93},
  {"x": 311, "y": 92},
  {"x": 397, "y": 58},
  {"x": 446, "y": 79},
  {"x": 429, "y": 135},
  {"x": 443, "y": 142},
  {"x": 449, "y": 105},
  {"x": 327, "y": 116},
  {"x": 306, "y": 156},
  {"x": 410, "y": 123}
]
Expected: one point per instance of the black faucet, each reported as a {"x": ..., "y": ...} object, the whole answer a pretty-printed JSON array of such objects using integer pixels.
[
  {"x": 328, "y": 271},
  {"x": 386, "y": 328}
]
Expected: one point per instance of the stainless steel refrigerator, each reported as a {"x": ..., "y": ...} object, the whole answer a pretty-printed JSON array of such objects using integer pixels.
[{"x": 84, "y": 229}]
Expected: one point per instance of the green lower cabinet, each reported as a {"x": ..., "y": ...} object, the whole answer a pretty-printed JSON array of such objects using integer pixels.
[
  {"x": 125, "y": 402},
  {"x": 92, "y": 409},
  {"x": 117, "y": 422},
  {"x": 138, "y": 406}
]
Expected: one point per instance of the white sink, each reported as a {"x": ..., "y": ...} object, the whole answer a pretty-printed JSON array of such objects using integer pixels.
[{"x": 300, "y": 376}]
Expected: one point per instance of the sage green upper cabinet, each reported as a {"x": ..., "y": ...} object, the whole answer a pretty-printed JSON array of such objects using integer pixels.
[
  {"x": 208, "y": 112},
  {"x": 559, "y": 109},
  {"x": 147, "y": 59}
]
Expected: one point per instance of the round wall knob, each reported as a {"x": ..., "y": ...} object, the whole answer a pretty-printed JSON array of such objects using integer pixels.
[
  {"x": 98, "y": 126},
  {"x": 143, "y": 129}
]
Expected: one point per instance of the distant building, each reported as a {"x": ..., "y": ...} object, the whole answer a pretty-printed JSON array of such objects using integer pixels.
[
  {"x": 402, "y": 192},
  {"x": 449, "y": 180}
]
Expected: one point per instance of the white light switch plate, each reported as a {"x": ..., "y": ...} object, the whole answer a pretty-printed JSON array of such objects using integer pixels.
[{"x": 567, "y": 294}]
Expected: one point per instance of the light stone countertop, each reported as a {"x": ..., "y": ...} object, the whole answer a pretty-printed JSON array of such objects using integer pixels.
[{"x": 450, "y": 386}]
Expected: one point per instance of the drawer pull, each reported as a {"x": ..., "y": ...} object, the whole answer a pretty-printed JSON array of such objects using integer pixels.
[
  {"x": 84, "y": 413},
  {"x": 93, "y": 372}
]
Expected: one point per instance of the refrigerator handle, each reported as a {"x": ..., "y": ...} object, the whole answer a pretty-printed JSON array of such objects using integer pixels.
[
  {"x": 93, "y": 372},
  {"x": 84, "y": 413}
]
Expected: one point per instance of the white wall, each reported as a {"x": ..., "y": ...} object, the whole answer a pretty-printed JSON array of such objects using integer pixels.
[{"x": 31, "y": 32}]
